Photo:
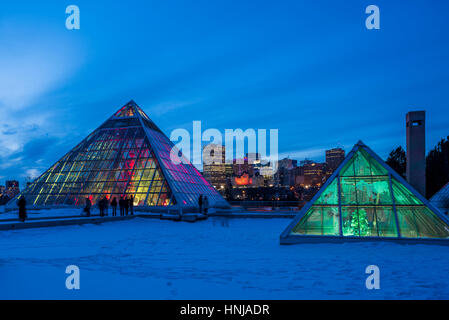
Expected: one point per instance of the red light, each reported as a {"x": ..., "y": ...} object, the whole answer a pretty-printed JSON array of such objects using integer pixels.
[{"x": 243, "y": 180}]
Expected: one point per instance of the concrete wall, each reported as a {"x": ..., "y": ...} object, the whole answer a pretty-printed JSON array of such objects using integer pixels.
[{"x": 416, "y": 150}]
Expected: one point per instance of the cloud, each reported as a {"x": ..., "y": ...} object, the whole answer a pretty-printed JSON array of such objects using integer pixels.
[
  {"x": 32, "y": 68},
  {"x": 37, "y": 148},
  {"x": 20, "y": 128},
  {"x": 170, "y": 106},
  {"x": 10, "y": 162},
  {"x": 32, "y": 173},
  {"x": 8, "y": 130}
]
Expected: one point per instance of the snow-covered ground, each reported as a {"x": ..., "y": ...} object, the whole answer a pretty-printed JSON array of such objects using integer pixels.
[
  {"x": 63, "y": 212},
  {"x": 218, "y": 258}
]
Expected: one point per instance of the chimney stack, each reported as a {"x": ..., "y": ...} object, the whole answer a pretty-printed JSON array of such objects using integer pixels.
[{"x": 416, "y": 150}]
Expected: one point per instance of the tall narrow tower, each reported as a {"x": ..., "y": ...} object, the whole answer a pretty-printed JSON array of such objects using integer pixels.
[{"x": 416, "y": 150}]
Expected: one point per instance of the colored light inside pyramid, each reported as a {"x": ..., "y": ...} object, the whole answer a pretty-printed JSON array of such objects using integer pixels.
[
  {"x": 365, "y": 198},
  {"x": 128, "y": 155}
]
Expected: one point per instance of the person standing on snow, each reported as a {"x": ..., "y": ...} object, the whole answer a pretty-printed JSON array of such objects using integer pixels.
[
  {"x": 206, "y": 205},
  {"x": 131, "y": 205},
  {"x": 21, "y": 203},
  {"x": 122, "y": 206},
  {"x": 101, "y": 207},
  {"x": 200, "y": 203},
  {"x": 114, "y": 206},
  {"x": 126, "y": 204},
  {"x": 106, "y": 205},
  {"x": 88, "y": 206}
]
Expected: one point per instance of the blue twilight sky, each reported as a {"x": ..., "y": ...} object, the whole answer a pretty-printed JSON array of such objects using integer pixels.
[{"x": 308, "y": 68}]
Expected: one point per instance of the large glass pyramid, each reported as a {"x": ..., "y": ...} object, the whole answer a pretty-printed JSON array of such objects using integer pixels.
[
  {"x": 365, "y": 198},
  {"x": 127, "y": 155},
  {"x": 441, "y": 199}
]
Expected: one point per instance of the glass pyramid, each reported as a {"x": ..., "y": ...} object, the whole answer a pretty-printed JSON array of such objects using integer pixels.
[
  {"x": 127, "y": 155},
  {"x": 366, "y": 198},
  {"x": 441, "y": 199}
]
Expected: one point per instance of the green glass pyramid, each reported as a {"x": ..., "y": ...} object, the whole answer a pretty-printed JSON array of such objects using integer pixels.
[
  {"x": 365, "y": 198},
  {"x": 128, "y": 155}
]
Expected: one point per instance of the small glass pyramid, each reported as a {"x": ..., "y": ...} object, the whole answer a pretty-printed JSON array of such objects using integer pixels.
[
  {"x": 127, "y": 155},
  {"x": 441, "y": 199},
  {"x": 366, "y": 198}
]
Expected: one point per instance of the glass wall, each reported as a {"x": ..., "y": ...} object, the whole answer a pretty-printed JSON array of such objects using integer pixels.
[
  {"x": 127, "y": 156},
  {"x": 372, "y": 204}
]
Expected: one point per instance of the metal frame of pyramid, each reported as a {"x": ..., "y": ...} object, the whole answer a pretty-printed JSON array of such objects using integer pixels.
[
  {"x": 440, "y": 199},
  {"x": 126, "y": 155},
  {"x": 296, "y": 231}
]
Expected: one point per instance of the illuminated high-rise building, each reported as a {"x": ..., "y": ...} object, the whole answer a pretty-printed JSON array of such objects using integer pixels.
[
  {"x": 334, "y": 157},
  {"x": 214, "y": 166},
  {"x": 12, "y": 188}
]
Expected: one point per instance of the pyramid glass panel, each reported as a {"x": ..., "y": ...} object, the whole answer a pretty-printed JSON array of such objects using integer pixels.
[
  {"x": 358, "y": 221},
  {"x": 319, "y": 221},
  {"x": 126, "y": 111},
  {"x": 441, "y": 199},
  {"x": 403, "y": 196},
  {"x": 330, "y": 195},
  {"x": 366, "y": 221},
  {"x": 420, "y": 222},
  {"x": 121, "y": 158},
  {"x": 374, "y": 190},
  {"x": 385, "y": 222},
  {"x": 374, "y": 203}
]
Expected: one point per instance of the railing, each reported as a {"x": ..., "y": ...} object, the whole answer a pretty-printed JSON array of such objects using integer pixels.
[{"x": 274, "y": 204}]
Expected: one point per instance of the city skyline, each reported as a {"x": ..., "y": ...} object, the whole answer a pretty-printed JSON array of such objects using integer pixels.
[{"x": 288, "y": 67}]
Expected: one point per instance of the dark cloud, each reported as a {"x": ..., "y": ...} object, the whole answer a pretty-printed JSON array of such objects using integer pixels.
[
  {"x": 9, "y": 132},
  {"x": 37, "y": 148}
]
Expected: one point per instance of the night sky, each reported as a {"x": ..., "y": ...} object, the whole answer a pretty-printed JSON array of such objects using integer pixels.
[{"x": 308, "y": 68}]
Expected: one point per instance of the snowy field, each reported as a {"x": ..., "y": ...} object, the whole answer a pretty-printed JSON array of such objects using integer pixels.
[{"x": 218, "y": 258}]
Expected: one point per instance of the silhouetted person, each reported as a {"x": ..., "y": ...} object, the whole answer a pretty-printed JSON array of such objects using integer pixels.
[
  {"x": 114, "y": 206},
  {"x": 101, "y": 207},
  {"x": 122, "y": 206},
  {"x": 126, "y": 204},
  {"x": 206, "y": 205},
  {"x": 21, "y": 203},
  {"x": 200, "y": 203},
  {"x": 87, "y": 207},
  {"x": 106, "y": 205},
  {"x": 131, "y": 205}
]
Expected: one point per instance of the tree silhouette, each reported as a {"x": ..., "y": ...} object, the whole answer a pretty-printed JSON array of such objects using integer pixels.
[
  {"x": 437, "y": 167},
  {"x": 397, "y": 160}
]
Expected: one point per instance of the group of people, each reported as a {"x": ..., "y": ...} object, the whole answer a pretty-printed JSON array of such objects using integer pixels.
[
  {"x": 203, "y": 203},
  {"x": 125, "y": 204}
]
